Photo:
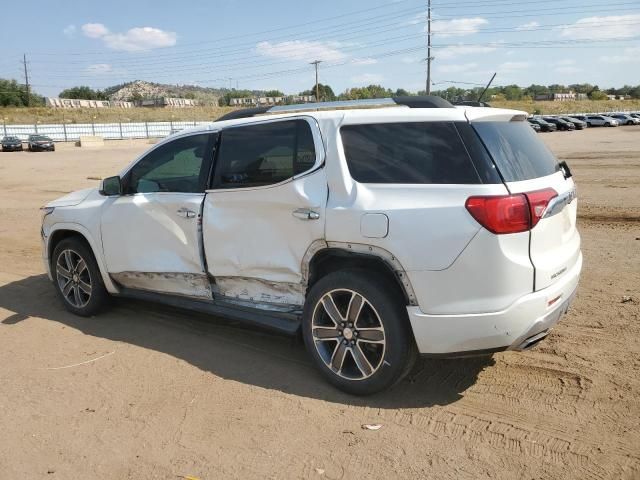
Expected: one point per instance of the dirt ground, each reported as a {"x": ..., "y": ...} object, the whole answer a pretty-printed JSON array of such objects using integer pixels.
[{"x": 147, "y": 392}]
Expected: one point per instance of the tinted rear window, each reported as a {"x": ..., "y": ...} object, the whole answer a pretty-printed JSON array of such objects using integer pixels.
[
  {"x": 516, "y": 150},
  {"x": 407, "y": 153}
]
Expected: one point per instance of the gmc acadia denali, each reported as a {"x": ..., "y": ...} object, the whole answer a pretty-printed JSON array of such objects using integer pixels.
[{"x": 407, "y": 227}]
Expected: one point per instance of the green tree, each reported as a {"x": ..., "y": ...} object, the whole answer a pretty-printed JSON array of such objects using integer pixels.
[
  {"x": 273, "y": 93},
  {"x": 82, "y": 93},
  {"x": 325, "y": 91},
  {"x": 597, "y": 95},
  {"x": 14, "y": 94}
]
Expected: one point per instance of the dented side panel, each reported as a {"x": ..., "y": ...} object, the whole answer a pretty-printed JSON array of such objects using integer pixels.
[{"x": 192, "y": 285}]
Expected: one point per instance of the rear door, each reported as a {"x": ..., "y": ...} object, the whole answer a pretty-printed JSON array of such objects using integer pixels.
[
  {"x": 527, "y": 166},
  {"x": 265, "y": 210}
]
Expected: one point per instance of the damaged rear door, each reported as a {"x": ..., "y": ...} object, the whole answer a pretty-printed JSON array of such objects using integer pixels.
[
  {"x": 151, "y": 234},
  {"x": 265, "y": 209}
]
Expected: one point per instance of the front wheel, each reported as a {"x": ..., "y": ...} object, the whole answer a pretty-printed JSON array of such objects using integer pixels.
[
  {"x": 357, "y": 331},
  {"x": 77, "y": 278}
]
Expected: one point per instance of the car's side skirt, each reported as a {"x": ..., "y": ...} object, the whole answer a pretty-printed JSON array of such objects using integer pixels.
[{"x": 283, "y": 322}]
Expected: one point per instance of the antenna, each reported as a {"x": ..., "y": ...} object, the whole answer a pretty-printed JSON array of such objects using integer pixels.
[{"x": 486, "y": 88}]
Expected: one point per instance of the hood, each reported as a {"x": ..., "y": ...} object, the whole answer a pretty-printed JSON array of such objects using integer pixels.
[{"x": 71, "y": 199}]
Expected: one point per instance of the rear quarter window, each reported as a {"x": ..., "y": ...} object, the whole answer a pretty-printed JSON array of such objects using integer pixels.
[
  {"x": 516, "y": 150},
  {"x": 407, "y": 153}
]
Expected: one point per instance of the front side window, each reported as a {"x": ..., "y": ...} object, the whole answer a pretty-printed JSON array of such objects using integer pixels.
[
  {"x": 181, "y": 165},
  {"x": 265, "y": 154},
  {"x": 407, "y": 153}
]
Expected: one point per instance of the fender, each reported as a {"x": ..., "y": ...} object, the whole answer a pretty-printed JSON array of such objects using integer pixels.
[{"x": 80, "y": 229}]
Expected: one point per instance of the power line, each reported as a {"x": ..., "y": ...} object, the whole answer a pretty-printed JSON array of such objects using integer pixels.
[
  {"x": 316, "y": 63},
  {"x": 429, "y": 57},
  {"x": 26, "y": 78}
]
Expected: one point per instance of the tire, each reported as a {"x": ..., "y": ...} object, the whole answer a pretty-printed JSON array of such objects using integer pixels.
[
  {"x": 375, "y": 356},
  {"x": 589, "y": 124},
  {"x": 78, "y": 284}
]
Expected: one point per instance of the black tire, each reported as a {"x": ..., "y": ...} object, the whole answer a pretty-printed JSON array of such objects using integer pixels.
[
  {"x": 90, "y": 303},
  {"x": 391, "y": 360}
]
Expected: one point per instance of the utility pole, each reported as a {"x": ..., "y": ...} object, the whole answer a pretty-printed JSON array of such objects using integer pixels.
[
  {"x": 429, "y": 57},
  {"x": 316, "y": 63},
  {"x": 26, "y": 78}
]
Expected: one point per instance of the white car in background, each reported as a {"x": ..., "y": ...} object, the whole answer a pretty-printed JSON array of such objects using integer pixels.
[
  {"x": 625, "y": 119},
  {"x": 601, "y": 121},
  {"x": 413, "y": 227}
]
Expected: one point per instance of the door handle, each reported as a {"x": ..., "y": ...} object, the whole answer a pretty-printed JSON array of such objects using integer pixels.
[
  {"x": 306, "y": 214},
  {"x": 186, "y": 213}
]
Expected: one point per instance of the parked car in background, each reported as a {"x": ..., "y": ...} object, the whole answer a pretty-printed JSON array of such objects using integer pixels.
[
  {"x": 544, "y": 125},
  {"x": 625, "y": 119},
  {"x": 377, "y": 233},
  {"x": 40, "y": 143},
  {"x": 579, "y": 124},
  {"x": 635, "y": 115},
  {"x": 601, "y": 121},
  {"x": 11, "y": 144},
  {"x": 535, "y": 126},
  {"x": 561, "y": 124}
]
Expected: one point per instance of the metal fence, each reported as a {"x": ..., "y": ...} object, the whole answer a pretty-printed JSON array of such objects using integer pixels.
[{"x": 69, "y": 132}]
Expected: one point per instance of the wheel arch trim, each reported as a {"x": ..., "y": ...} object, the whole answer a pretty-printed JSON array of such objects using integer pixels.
[
  {"x": 76, "y": 228},
  {"x": 361, "y": 250}
]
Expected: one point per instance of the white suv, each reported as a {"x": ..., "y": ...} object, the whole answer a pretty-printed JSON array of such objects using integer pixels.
[{"x": 408, "y": 227}]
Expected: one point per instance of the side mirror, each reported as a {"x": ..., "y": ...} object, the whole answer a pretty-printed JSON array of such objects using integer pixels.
[{"x": 111, "y": 186}]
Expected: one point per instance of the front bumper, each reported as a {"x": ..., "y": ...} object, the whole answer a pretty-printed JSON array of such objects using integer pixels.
[
  {"x": 42, "y": 148},
  {"x": 521, "y": 325},
  {"x": 11, "y": 148}
]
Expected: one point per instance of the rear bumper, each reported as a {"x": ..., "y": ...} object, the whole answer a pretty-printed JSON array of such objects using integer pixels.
[{"x": 521, "y": 325}]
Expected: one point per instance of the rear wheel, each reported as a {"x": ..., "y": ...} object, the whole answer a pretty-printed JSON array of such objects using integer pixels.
[
  {"x": 357, "y": 332},
  {"x": 77, "y": 278}
]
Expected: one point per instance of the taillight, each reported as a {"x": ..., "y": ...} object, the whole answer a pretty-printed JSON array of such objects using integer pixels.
[
  {"x": 538, "y": 203},
  {"x": 510, "y": 213}
]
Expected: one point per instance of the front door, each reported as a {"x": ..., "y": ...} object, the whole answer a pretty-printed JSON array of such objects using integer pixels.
[
  {"x": 265, "y": 210},
  {"x": 150, "y": 234}
]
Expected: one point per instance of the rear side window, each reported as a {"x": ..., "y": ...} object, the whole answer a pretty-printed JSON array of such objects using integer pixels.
[
  {"x": 265, "y": 154},
  {"x": 516, "y": 150},
  {"x": 407, "y": 153}
]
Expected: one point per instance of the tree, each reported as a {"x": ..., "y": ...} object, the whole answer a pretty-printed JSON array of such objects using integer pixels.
[
  {"x": 372, "y": 91},
  {"x": 13, "y": 94},
  {"x": 597, "y": 95},
  {"x": 83, "y": 93},
  {"x": 273, "y": 93},
  {"x": 401, "y": 92},
  {"x": 325, "y": 91}
]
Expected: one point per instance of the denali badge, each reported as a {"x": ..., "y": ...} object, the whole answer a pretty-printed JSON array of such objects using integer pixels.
[{"x": 558, "y": 273}]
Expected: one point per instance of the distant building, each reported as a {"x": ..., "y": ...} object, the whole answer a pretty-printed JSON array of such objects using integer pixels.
[
  {"x": 617, "y": 97},
  {"x": 79, "y": 103},
  {"x": 561, "y": 97},
  {"x": 167, "y": 102},
  {"x": 268, "y": 101}
]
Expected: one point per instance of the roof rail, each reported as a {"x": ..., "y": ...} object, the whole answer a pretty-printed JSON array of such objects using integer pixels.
[{"x": 411, "y": 102}]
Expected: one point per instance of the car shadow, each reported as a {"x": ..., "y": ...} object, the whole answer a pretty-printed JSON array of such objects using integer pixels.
[{"x": 230, "y": 350}]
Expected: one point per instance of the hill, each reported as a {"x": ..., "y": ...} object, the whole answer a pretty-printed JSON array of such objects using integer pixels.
[{"x": 141, "y": 89}]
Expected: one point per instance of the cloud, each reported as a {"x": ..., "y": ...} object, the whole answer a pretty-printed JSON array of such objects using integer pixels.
[
  {"x": 511, "y": 66},
  {"x": 528, "y": 26},
  {"x": 94, "y": 30},
  {"x": 409, "y": 60},
  {"x": 457, "y": 68},
  {"x": 133, "y": 40},
  {"x": 302, "y": 50},
  {"x": 458, "y": 27},
  {"x": 69, "y": 31},
  {"x": 367, "y": 78},
  {"x": 602, "y": 28},
  {"x": 629, "y": 55},
  {"x": 364, "y": 61},
  {"x": 568, "y": 70},
  {"x": 459, "y": 50},
  {"x": 99, "y": 69}
]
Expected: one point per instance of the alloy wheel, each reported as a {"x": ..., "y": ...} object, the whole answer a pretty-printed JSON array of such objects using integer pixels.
[
  {"x": 73, "y": 277},
  {"x": 348, "y": 334}
]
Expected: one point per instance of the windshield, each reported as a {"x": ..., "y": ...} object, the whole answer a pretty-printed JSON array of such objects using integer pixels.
[
  {"x": 516, "y": 150},
  {"x": 9, "y": 139},
  {"x": 39, "y": 138}
]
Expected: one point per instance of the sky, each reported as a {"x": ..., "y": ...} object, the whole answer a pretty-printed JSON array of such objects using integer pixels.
[{"x": 252, "y": 44}]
